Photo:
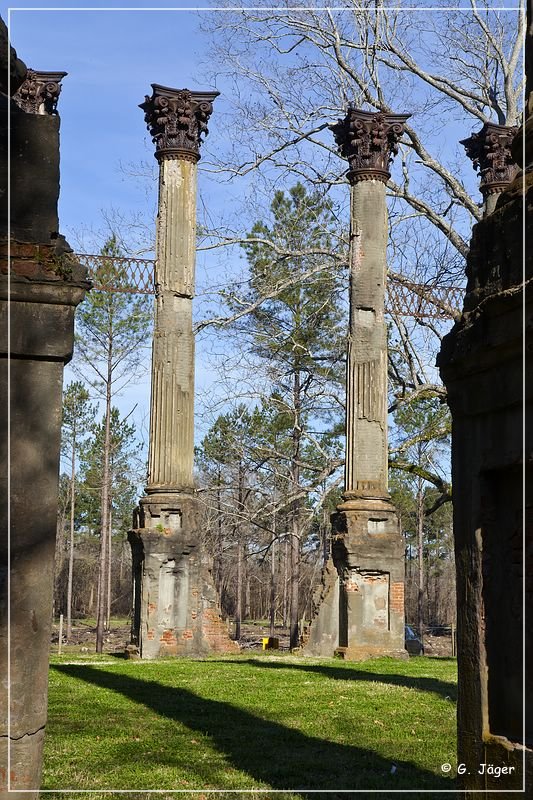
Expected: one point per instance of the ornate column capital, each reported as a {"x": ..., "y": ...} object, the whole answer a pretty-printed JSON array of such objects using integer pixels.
[
  {"x": 39, "y": 92},
  {"x": 176, "y": 119},
  {"x": 490, "y": 150},
  {"x": 369, "y": 140}
]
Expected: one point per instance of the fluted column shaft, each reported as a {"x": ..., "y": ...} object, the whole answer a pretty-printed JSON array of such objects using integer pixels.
[
  {"x": 170, "y": 461},
  {"x": 177, "y": 120},
  {"x": 366, "y": 371},
  {"x": 368, "y": 141}
]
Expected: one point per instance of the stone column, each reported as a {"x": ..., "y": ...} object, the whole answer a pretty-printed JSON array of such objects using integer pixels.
[
  {"x": 490, "y": 150},
  {"x": 176, "y": 120},
  {"x": 368, "y": 548},
  {"x": 175, "y": 606},
  {"x": 486, "y": 364},
  {"x": 40, "y": 286}
]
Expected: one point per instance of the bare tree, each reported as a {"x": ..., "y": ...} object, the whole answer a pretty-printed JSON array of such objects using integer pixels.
[
  {"x": 292, "y": 71},
  {"x": 288, "y": 72}
]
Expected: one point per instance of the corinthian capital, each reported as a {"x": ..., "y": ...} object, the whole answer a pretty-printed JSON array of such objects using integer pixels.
[
  {"x": 369, "y": 140},
  {"x": 177, "y": 120},
  {"x": 39, "y": 92},
  {"x": 490, "y": 150}
]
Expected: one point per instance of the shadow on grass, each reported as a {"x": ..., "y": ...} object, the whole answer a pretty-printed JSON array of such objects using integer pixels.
[
  {"x": 442, "y": 688},
  {"x": 270, "y": 753}
]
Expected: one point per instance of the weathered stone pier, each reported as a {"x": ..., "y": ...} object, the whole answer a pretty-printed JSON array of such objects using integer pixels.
[
  {"x": 486, "y": 365},
  {"x": 361, "y": 612},
  {"x": 40, "y": 286},
  {"x": 175, "y": 603}
]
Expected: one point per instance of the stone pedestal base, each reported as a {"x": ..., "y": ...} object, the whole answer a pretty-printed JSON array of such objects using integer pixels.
[
  {"x": 176, "y": 610},
  {"x": 368, "y": 555},
  {"x": 323, "y": 636},
  {"x": 359, "y": 607}
]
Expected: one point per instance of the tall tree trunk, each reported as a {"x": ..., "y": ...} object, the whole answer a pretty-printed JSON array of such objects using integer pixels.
[
  {"x": 272, "y": 604},
  {"x": 238, "y": 602},
  {"x": 71, "y": 539},
  {"x": 109, "y": 567},
  {"x": 296, "y": 514},
  {"x": 273, "y": 557},
  {"x": 240, "y": 554},
  {"x": 325, "y": 537},
  {"x": 295, "y": 582},
  {"x": 286, "y": 583},
  {"x": 420, "y": 548},
  {"x": 247, "y": 607},
  {"x": 218, "y": 544},
  {"x": 105, "y": 504},
  {"x": 58, "y": 562},
  {"x": 437, "y": 583}
]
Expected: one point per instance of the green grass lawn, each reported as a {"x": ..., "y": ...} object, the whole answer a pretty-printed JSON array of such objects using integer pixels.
[{"x": 262, "y": 721}]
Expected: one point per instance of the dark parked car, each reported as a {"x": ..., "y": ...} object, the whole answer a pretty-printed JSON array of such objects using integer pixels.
[
  {"x": 439, "y": 630},
  {"x": 413, "y": 645}
]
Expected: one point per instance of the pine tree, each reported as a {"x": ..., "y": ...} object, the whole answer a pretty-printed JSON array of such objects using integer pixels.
[
  {"x": 112, "y": 330},
  {"x": 423, "y": 428},
  {"x": 78, "y": 416},
  {"x": 228, "y": 457},
  {"x": 122, "y": 467},
  {"x": 297, "y": 333}
]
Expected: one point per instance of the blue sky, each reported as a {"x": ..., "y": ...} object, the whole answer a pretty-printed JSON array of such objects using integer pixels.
[{"x": 111, "y": 58}]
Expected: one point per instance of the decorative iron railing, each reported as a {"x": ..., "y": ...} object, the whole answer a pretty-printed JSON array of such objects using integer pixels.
[
  {"x": 118, "y": 273},
  {"x": 404, "y": 297},
  {"x": 422, "y": 301}
]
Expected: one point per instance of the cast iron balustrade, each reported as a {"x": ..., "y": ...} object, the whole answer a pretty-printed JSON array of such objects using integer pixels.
[
  {"x": 119, "y": 274},
  {"x": 404, "y": 297}
]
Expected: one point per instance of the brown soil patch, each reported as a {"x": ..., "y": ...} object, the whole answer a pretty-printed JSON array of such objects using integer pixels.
[{"x": 84, "y": 639}]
